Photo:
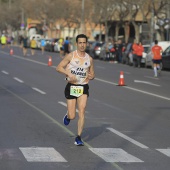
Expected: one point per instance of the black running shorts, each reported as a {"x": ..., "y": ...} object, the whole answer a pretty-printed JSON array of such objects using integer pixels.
[
  {"x": 67, "y": 90},
  {"x": 156, "y": 61}
]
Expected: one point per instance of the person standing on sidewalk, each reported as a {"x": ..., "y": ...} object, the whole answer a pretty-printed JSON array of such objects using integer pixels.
[
  {"x": 78, "y": 68},
  {"x": 3, "y": 40},
  {"x": 24, "y": 43},
  {"x": 134, "y": 49},
  {"x": 42, "y": 45},
  {"x": 33, "y": 45},
  {"x": 139, "y": 53},
  {"x": 157, "y": 58}
]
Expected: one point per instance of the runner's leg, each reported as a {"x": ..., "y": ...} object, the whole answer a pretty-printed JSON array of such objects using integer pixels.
[
  {"x": 71, "y": 106},
  {"x": 81, "y": 101}
]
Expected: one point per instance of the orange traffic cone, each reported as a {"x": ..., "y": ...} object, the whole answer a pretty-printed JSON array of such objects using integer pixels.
[
  {"x": 50, "y": 61},
  {"x": 11, "y": 52},
  {"x": 121, "y": 80}
]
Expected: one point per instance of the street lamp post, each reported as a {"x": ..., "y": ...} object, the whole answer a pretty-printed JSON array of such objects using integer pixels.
[
  {"x": 152, "y": 22},
  {"x": 82, "y": 25}
]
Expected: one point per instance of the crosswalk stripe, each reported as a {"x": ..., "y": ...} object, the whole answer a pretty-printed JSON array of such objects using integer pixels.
[
  {"x": 128, "y": 138},
  {"x": 39, "y": 154},
  {"x": 164, "y": 151},
  {"x": 114, "y": 155}
]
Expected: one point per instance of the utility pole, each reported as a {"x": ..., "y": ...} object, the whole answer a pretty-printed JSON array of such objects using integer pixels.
[
  {"x": 9, "y": 4},
  {"x": 82, "y": 25},
  {"x": 152, "y": 22},
  {"x": 22, "y": 21}
]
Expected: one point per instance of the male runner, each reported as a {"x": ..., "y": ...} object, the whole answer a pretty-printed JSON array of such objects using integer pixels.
[
  {"x": 157, "y": 58},
  {"x": 79, "y": 69}
]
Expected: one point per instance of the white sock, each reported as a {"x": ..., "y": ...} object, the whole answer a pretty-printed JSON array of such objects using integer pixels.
[{"x": 155, "y": 71}]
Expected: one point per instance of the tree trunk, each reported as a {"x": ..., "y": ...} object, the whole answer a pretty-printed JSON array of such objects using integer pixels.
[
  {"x": 116, "y": 31},
  {"x": 127, "y": 32}
]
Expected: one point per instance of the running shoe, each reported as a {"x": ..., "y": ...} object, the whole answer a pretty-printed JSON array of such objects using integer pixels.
[
  {"x": 159, "y": 71},
  {"x": 78, "y": 141},
  {"x": 66, "y": 120}
]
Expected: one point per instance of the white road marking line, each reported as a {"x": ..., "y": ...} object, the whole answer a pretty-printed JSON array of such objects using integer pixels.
[
  {"x": 4, "y": 72},
  {"x": 64, "y": 104},
  {"x": 39, "y": 154},
  {"x": 19, "y": 80},
  {"x": 164, "y": 151},
  {"x": 38, "y": 90},
  {"x": 146, "y": 82},
  {"x": 134, "y": 89},
  {"x": 130, "y": 88},
  {"x": 52, "y": 120},
  {"x": 128, "y": 138},
  {"x": 114, "y": 155}
]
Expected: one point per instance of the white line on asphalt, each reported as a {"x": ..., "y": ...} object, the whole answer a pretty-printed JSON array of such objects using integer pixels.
[
  {"x": 131, "y": 88},
  {"x": 114, "y": 155},
  {"x": 128, "y": 138},
  {"x": 54, "y": 121},
  {"x": 40, "y": 154},
  {"x": 38, "y": 90},
  {"x": 4, "y": 72},
  {"x": 19, "y": 80},
  {"x": 164, "y": 151},
  {"x": 146, "y": 82},
  {"x": 29, "y": 60},
  {"x": 64, "y": 104}
]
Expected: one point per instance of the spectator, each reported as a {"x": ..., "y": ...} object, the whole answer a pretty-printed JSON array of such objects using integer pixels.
[
  {"x": 116, "y": 51},
  {"x": 9, "y": 40},
  {"x": 24, "y": 43},
  {"x": 134, "y": 49},
  {"x": 33, "y": 45},
  {"x": 61, "y": 47},
  {"x": 139, "y": 53},
  {"x": 3, "y": 40},
  {"x": 42, "y": 44},
  {"x": 119, "y": 50},
  {"x": 66, "y": 46}
]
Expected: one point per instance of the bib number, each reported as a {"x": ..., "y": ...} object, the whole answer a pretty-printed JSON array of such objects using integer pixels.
[{"x": 76, "y": 91}]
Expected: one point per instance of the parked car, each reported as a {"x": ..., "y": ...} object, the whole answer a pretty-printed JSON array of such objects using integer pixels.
[
  {"x": 37, "y": 38},
  {"x": 50, "y": 44},
  {"x": 111, "y": 52},
  {"x": 148, "y": 59},
  {"x": 39, "y": 43},
  {"x": 89, "y": 47},
  {"x": 96, "y": 49},
  {"x": 146, "y": 49},
  {"x": 127, "y": 55},
  {"x": 165, "y": 64}
]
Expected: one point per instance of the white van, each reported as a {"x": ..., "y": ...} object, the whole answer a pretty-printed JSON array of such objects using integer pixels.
[
  {"x": 148, "y": 59},
  {"x": 35, "y": 36}
]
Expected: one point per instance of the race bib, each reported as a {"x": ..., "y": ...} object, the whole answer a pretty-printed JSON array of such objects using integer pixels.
[{"x": 76, "y": 91}]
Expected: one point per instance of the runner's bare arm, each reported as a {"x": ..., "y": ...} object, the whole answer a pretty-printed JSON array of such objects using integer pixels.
[
  {"x": 62, "y": 65},
  {"x": 91, "y": 74}
]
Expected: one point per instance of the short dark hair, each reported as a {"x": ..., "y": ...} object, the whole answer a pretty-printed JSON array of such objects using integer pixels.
[
  {"x": 81, "y": 36},
  {"x": 156, "y": 41}
]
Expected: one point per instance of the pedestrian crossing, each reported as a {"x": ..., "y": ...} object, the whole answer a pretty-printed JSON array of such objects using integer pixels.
[{"x": 49, "y": 154}]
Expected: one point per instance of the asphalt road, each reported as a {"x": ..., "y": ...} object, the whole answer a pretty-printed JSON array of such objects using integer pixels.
[{"x": 126, "y": 128}]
